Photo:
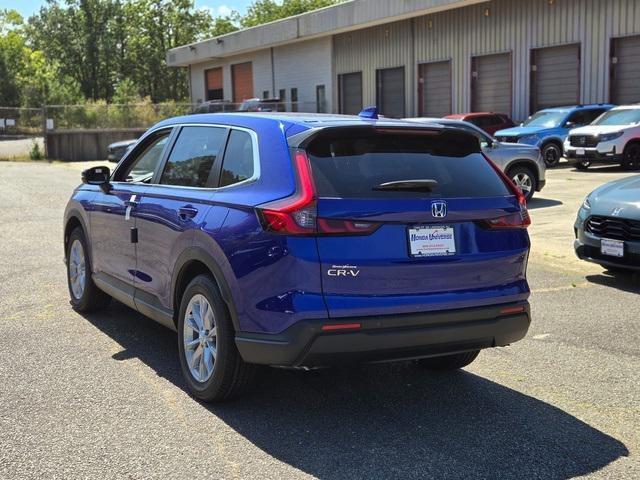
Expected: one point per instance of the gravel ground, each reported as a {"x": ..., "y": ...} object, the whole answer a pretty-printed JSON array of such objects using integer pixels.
[{"x": 101, "y": 396}]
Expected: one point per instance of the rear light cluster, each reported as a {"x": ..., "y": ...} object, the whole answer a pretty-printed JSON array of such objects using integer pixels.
[
  {"x": 298, "y": 215},
  {"x": 519, "y": 219}
]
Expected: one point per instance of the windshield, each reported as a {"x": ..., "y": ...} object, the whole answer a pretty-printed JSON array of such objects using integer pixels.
[
  {"x": 619, "y": 117},
  {"x": 545, "y": 119}
]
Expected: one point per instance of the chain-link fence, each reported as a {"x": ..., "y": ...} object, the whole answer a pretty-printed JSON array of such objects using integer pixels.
[
  {"x": 144, "y": 115},
  {"x": 21, "y": 121},
  {"x": 83, "y": 132}
]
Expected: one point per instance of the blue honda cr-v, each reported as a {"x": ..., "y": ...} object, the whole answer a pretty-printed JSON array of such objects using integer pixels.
[
  {"x": 304, "y": 241},
  {"x": 549, "y": 128}
]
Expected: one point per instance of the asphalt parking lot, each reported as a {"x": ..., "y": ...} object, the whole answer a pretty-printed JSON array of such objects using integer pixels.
[{"x": 101, "y": 396}]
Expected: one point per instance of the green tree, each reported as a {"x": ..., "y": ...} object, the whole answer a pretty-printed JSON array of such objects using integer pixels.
[{"x": 264, "y": 11}]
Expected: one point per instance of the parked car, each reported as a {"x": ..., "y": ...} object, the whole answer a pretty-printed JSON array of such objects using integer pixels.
[
  {"x": 523, "y": 164},
  {"x": 549, "y": 128},
  {"x": 215, "y": 106},
  {"x": 304, "y": 241},
  {"x": 262, "y": 105},
  {"x": 614, "y": 137},
  {"x": 116, "y": 150},
  {"x": 488, "y": 121},
  {"x": 608, "y": 225}
]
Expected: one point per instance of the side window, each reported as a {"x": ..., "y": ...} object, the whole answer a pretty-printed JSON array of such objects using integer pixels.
[
  {"x": 584, "y": 117},
  {"x": 593, "y": 114},
  {"x": 238, "y": 159},
  {"x": 142, "y": 168},
  {"x": 192, "y": 156}
]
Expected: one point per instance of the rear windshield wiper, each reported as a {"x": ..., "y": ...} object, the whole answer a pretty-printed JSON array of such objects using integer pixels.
[{"x": 426, "y": 185}]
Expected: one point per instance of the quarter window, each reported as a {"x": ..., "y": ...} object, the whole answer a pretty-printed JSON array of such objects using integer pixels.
[
  {"x": 238, "y": 159},
  {"x": 193, "y": 156}
]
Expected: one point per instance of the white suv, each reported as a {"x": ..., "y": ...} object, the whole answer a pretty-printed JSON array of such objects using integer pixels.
[{"x": 613, "y": 137}]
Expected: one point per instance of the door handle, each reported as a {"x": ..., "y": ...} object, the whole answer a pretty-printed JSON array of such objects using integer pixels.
[
  {"x": 132, "y": 202},
  {"x": 187, "y": 212}
]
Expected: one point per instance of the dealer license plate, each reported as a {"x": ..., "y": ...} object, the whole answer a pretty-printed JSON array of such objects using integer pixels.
[
  {"x": 613, "y": 248},
  {"x": 432, "y": 241}
]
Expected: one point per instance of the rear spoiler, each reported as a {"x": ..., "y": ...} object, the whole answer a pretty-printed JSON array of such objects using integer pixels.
[{"x": 461, "y": 141}]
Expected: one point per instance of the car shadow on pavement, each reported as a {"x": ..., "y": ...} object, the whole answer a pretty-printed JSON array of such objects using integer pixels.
[
  {"x": 625, "y": 281},
  {"x": 386, "y": 421},
  {"x": 536, "y": 202}
]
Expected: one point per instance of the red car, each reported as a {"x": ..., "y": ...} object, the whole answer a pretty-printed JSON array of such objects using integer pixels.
[{"x": 488, "y": 121}]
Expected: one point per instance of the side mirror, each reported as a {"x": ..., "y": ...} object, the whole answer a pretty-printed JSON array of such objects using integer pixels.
[
  {"x": 98, "y": 176},
  {"x": 570, "y": 125},
  {"x": 522, "y": 124}
]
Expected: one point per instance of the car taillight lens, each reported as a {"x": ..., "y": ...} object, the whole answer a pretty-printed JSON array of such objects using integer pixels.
[
  {"x": 297, "y": 214},
  {"x": 519, "y": 219}
]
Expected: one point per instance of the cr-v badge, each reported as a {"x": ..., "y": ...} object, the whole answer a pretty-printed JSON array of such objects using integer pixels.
[{"x": 343, "y": 271}]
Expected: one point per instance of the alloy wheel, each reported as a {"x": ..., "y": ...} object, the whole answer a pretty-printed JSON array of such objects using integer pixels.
[
  {"x": 199, "y": 333},
  {"x": 77, "y": 269},
  {"x": 551, "y": 155},
  {"x": 632, "y": 157},
  {"x": 523, "y": 182}
]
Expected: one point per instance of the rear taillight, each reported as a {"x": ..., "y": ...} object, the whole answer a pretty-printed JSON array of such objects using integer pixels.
[
  {"x": 519, "y": 219},
  {"x": 297, "y": 214}
]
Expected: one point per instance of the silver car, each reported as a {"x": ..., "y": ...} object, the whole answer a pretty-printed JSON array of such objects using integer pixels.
[
  {"x": 608, "y": 225},
  {"x": 522, "y": 163}
]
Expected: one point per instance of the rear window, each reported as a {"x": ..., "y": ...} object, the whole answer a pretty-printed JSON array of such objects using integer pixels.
[{"x": 349, "y": 163}]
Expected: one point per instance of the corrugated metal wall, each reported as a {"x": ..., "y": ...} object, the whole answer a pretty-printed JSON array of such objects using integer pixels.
[
  {"x": 514, "y": 26},
  {"x": 370, "y": 49}
]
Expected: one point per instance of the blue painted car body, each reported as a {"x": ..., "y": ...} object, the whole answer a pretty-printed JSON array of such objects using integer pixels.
[
  {"x": 272, "y": 282},
  {"x": 557, "y": 130}
]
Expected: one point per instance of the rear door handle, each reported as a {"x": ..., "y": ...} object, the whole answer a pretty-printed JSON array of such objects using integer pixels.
[{"x": 187, "y": 212}]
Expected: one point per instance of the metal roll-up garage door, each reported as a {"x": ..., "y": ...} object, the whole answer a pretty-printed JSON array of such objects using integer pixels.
[
  {"x": 213, "y": 79},
  {"x": 390, "y": 92},
  {"x": 555, "y": 77},
  {"x": 625, "y": 70},
  {"x": 434, "y": 89},
  {"x": 491, "y": 83},
  {"x": 242, "y": 80},
  {"x": 350, "y": 92}
]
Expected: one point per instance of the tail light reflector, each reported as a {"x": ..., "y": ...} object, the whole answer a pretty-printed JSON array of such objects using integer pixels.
[{"x": 340, "y": 326}]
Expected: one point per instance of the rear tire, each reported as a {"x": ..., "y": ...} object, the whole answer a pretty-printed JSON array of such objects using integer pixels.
[
  {"x": 85, "y": 296},
  {"x": 552, "y": 153},
  {"x": 583, "y": 165},
  {"x": 525, "y": 180},
  {"x": 448, "y": 362},
  {"x": 210, "y": 361}
]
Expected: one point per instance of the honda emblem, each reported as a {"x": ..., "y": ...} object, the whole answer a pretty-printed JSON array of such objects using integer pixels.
[{"x": 439, "y": 209}]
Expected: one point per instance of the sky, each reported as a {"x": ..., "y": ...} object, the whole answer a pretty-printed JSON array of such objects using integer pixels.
[{"x": 217, "y": 7}]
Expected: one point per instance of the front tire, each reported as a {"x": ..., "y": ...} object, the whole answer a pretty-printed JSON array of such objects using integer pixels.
[
  {"x": 85, "y": 296},
  {"x": 631, "y": 156},
  {"x": 449, "y": 362},
  {"x": 210, "y": 361},
  {"x": 524, "y": 179},
  {"x": 551, "y": 152}
]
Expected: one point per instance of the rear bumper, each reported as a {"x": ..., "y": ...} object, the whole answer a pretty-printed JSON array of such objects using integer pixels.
[
  {"x": 387, "y": 338},
  {"x": 540, "y": 185}
]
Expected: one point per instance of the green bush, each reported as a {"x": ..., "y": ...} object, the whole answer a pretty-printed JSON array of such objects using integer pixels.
[{"x": 35, "y": 153}]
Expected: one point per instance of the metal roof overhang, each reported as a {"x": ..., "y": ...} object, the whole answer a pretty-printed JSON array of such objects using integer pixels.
[{"x": 340, "y": 18}]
